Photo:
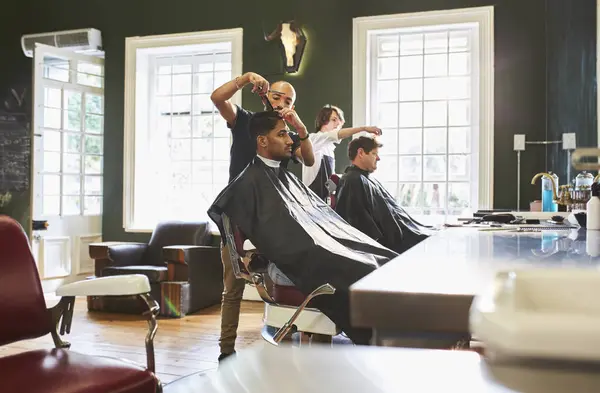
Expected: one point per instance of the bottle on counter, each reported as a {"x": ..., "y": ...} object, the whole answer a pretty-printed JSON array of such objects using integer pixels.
[
  {"x": 593, "y": 209},
  {"x": 548, "y": 204}
]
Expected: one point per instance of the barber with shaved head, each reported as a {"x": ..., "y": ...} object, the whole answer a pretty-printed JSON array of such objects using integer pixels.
[{"x": 282, "y": 96}]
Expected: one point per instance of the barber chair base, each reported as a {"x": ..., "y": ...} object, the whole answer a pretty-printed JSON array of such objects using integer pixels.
[{"x": 310, "y": 320}]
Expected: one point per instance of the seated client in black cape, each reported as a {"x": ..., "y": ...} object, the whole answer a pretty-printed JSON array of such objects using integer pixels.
[
  {"x": 292, "y": 227},
  {"x": 366, "y": 205}
]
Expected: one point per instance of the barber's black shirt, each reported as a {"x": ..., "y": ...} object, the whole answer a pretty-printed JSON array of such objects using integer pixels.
[{"x": 243, "y": 148}]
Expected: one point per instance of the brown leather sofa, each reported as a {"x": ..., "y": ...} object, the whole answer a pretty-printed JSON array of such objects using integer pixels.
[
  {"x": 184, "y": 269},
  {"x": 25, "y": 316}
]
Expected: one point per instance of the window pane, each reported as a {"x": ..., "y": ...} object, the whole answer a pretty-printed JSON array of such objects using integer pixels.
[
  {"x": 459, "y": 140},
  {"x": 435, "y": 114},
  {"x": 459, "y": 168},
  {"x": 410, "y": 140},
  {"x": 458, "y": 196},
  {"x": 436, "y": 42},
  {"x": 409, "y": 194},
  {"x": 93, "y": 185},
  {"x": 94, "y": 104},
  {"x": 52, "y": 97},
  {"x": 435, "y": 168},
  {"x": 181, "y": 127},
  {"x": 411, "y": 89},
  {"x": 52, "y": 140},
  {"x": 71, "y": 185},
  {"x": 411, "y": 67},
  {"x": 71, "y": 163},
  {"x": 182, "y": 84},
  {"x": 387, "y": 115},
  {"x": 51, "y": 184},
  {"x": 182, "y": 104},
  {"x": 460, "y": 41},
  {"x": 389, "y": 139},
  {"x": 51, "y": 205},
  {"x": 221, "y": 129},
  {"x": 92, "y": 206},
  {"x": 51, "y": 162},
  {"x": 93, "y": 165},
  {"x": 222, "y": 77},
  {"x": 202, "y": 149},
  {"x": 163, "y": 84},
  {"x": 435, "y": 88},
  {"x": 434, "y": 196},
  {"x": 223, "y": 62},
  {"x": 181, "y": 173},
  {"x": 52, "y": 118},
  {"x": 387, "y": 91},
  {"x": 411, "y": 44},
  {"x": 387, "y": 45},
  {"x": 460, "y": 113},
  {"x": 220, "y": 172},
  {"x": 202, "y": 172},
  {"x": 94, "y": 124},
  {"x": 459, "y": 63},
  {"x": 203, "y": 126},
  {"x": 411, "y": 114},
  {"x": 203, "y": 104},
  {"x": 72, "y": 142},
  {"x": 203, "y": 83},
  {"x": 387, "y": 168},
  {"x": 459, "y": 87},
  {"x": 183, "y": 68},
  {"x": 93, "y": 144},
  {"x": 89, "y": 74},
  {"x": 409, "y": 168},
  {"x": 180, "y": 149},
  {"x": 387, "y": 68},
  {"x": 436, "y": 65},
  {"x": 71, "y": 205},
  {"x": 221, "y": 147},
  {"x": 435, "y": 140}
]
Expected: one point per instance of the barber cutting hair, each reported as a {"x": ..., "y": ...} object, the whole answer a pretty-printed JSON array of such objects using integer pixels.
[{"x": 279, "y": 96}]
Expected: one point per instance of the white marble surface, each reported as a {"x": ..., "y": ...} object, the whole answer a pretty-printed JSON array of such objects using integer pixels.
[
  {"x": 463, "y": 261},
  {"x": 266, "y": 369}
]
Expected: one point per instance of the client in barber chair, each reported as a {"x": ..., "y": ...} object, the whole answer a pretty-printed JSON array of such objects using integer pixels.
[
  {"x": 294, "y": 229},
  {"x": 366, "y": 205}
]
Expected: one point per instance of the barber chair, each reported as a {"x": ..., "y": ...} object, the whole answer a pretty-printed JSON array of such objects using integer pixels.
[
  {"x": 25, "y": 316},
  {"x": 332, "y": 184},
  {"x": 286, "y": 310}
]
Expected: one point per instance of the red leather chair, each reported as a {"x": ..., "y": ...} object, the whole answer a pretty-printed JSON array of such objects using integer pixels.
[{"x": 25, "y": 316}]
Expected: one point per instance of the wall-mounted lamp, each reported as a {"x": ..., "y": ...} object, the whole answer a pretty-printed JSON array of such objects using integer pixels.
[{"x": 292, "y": 42}]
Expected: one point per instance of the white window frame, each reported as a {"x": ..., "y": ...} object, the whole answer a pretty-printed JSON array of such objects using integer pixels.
[
  {"x": 484, "y": 17},
  {"x": 132, "y": 45}
]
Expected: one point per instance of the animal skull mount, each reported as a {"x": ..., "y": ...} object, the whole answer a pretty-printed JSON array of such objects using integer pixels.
[{"x": 292, "y": 42}]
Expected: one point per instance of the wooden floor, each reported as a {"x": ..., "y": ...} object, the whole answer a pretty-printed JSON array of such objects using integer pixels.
[{"x": 182, "y": 346}]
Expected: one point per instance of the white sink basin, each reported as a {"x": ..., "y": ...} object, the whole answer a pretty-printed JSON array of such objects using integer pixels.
[{"x": 541, "y": 313}]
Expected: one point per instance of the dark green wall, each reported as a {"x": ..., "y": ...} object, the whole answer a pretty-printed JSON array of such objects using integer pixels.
[{"x": 521, "y": 61}]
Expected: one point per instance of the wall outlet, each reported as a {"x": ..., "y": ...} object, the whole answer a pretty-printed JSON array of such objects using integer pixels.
[
  {"x": 569, "y": 141},
  {"x": 519, "y": 143}
]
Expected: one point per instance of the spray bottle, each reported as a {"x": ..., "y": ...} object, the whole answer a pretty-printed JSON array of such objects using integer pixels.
[{"x": 593, "y": 209}]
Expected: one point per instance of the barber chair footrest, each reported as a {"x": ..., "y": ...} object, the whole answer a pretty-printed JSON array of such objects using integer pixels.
[
  {"x": 122, "y": 304},
  {"x": 310, "y": 320}
]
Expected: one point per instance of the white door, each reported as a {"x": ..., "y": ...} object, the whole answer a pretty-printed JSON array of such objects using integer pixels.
[{"x": 68, "y": 123}]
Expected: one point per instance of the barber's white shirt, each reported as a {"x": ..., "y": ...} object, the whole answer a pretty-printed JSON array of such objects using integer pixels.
[{"x": 323, "y": 144}]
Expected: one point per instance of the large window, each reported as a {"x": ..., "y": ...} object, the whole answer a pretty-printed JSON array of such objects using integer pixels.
[
  {"x": 426, "y": 80},
  {"x": 177, "y": 144}
]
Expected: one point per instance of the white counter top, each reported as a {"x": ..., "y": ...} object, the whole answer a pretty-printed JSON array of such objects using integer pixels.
[{"x": 450, "y": 268}]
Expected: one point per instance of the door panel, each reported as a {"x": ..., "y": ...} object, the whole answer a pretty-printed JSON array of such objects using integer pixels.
[{"x": 67, "y": 162}]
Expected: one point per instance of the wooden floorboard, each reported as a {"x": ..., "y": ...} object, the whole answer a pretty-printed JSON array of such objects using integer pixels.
[{"x": 182, "y": 346}]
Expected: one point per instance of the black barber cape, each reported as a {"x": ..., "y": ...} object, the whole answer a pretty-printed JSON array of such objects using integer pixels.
[
  {"x": 365, "y": 204},
  {"x": 302, "y": 236}
]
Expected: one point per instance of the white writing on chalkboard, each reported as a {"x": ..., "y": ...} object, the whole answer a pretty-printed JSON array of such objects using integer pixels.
[{"x": 15, "y": 154}]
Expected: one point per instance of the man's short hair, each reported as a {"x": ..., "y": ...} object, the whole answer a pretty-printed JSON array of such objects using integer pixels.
[
  {"x": 362, "y": 142},
  {"x": 263, "y": 122}
]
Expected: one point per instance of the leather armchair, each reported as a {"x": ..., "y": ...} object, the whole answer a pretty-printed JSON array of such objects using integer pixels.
[
  {"x": 25, "y": 316},
  {"x": 184, "y": 269}
]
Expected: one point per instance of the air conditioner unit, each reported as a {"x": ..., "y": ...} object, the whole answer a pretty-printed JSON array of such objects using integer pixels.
[{"x": 88, "y": 41}]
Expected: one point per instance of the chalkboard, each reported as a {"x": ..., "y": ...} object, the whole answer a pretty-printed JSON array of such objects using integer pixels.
[{"x": 15, "y": 152}]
